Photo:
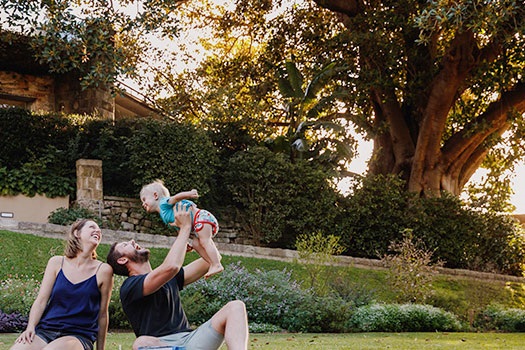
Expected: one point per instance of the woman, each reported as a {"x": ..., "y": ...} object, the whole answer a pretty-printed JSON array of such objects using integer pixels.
[{"x": 71, "y": 309}]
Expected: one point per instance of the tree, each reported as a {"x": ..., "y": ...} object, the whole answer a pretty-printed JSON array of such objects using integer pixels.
[
  {"x": 312, "y": 128},
  {"x": 249, "y": 78},
  {"x": 439, "y": 85},
  {"x": 101, "y": 39}
]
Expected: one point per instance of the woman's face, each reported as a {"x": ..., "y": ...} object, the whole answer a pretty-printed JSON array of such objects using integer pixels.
[{"x": 90, "y": 233}]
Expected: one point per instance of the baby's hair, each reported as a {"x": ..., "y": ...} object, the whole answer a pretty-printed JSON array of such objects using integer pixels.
[{"x": 155, "y": 186}]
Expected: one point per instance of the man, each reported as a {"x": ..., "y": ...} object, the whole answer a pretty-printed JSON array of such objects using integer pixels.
[{"x": 150, "y": 297}]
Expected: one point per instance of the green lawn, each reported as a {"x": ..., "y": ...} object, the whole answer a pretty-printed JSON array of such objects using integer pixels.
[
  {"x": 354, "y": 341},
  {"x": 26, "y": 255}
]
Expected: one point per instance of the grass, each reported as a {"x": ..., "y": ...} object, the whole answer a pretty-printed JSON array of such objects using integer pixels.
[
  {"x": 27, "y": 255},
  {"x": 354, "y": 341}
]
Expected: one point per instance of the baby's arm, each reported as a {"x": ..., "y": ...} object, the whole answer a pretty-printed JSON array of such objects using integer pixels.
[{"x": 183, "y": 195}]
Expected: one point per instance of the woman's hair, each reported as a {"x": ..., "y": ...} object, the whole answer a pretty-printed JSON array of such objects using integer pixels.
[
  {"x": 155, "y": 186},
  {"x": 73, "y": 245}
]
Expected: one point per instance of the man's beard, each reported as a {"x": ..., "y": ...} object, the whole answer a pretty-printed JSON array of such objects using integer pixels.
[{"x": 140, "y": 256}]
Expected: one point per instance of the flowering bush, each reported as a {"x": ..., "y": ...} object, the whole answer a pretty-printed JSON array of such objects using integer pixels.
[
  {"x": 403, "y": 318},
  {"x": 271, "y": 297},
  {"x": 496, "y": 317},
  {"x": 17, "y": 293},
  {"x": 12, "y": 322}
]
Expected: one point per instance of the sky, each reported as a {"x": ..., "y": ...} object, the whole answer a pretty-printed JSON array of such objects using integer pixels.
[{"x": 518, "y": 198}]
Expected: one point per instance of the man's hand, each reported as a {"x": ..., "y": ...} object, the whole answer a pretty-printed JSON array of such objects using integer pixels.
[{"x": 182, "y": 215}]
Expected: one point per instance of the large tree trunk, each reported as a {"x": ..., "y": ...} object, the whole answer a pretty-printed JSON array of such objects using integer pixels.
[{"x": 413, "y": 143}]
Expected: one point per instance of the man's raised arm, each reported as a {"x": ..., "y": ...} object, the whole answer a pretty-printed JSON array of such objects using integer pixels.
[{"x": 175, "y": 258}]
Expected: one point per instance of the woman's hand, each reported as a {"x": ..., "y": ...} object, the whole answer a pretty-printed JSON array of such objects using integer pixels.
[{"x": 27, "y": 336}]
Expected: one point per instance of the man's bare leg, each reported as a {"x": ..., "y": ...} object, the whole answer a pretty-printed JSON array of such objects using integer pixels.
[{"x": 232, "y": 321}]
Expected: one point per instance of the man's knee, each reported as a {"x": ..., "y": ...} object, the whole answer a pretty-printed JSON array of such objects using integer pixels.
[
  {"x": 143, "y": 341},
  {"x": 237, "y": 306}
]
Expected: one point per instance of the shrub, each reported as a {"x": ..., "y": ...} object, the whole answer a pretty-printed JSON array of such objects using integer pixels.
[
  {"x": 36, "y": 155},
  {"x": 18, "y": 293},
  {"x": 263, "y": 328},
  {"x": 180, "y": 154},
  {"x": 275, "y": 196},
  {"x": 12, "y": 322},
  {"x": 374, "y": 215},
  {"x": 410, "y": 269},
  {"x": 64, "y": 217},
  {"x": 402, "y": 318},
  {"x": 380, "y": 209},
  {"x": 496, "y": 317},
  {"x": 271, "y": 297},
  {"x": 316, "y": 253},
  {"x": 117, "y": 317}
]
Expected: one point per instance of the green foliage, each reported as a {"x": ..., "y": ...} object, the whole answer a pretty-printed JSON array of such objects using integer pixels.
[
  {"x": 314, "y": 130},
  {"x": 316, "y": 253},
  {"x": 410, "y": 267},
  {"x": 270, "y": 297},
  {"x": 255, "y": 327},
  {"x": 181, "y": 155},
  {"x": 379, "y": 210},
  {"x": 374, "y": 215},
  {"x": 117, "y": 317},
  {"x": 98, "y": 41},
  {"x": 132, "y": 152},
  {"x": 35, "y": 157},
  {"x": 275, "y": 196},
  {"x": 64, "y": 217},
  {"x": 403, "y": 318},
  {"x": 107, "y": 140},
  {"x": 17, "y": 293},
  {"x": 496, "y": 317}
]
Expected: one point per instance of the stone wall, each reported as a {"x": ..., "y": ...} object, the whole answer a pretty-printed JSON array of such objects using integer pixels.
[
  {"x": 38, "y": 90},
  {"x": 127, "y": 214},
  {"x": 90, "y": 192},
  {"x": 56, "y": 93}
]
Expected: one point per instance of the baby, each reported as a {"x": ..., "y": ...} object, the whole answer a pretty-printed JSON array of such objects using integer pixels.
[{"x": 156, "y": 198}]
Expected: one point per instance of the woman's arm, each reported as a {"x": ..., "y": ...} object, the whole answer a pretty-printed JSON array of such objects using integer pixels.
[
  {"x": 105, "y": 276},
  {"x": 39, "y": 305}
]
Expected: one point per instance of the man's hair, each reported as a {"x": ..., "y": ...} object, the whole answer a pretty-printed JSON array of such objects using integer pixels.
[
  {"x": 111, "y": 259},
  {"x": 155, "y": 186}
]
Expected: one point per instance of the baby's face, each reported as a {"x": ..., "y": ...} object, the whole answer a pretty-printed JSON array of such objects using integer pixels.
[{"x": 149, "y": 202}]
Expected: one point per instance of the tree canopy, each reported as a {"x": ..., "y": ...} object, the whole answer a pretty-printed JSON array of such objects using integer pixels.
[
  {"x": 101, "y": 39},
  {"x": 437, "y": 85}
]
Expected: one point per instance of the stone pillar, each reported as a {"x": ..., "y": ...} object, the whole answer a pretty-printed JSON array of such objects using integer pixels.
[{"x": 89, "y": 184}]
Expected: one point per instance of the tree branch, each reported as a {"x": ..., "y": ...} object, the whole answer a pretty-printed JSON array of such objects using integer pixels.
[
  {"x": 493, "y": 120},
  {"x": 457, "y": 64},
  {"x": 345, "y": 7}
]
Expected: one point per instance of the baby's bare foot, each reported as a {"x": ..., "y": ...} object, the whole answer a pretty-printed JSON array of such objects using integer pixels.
[{"x": 213, "y": 270}]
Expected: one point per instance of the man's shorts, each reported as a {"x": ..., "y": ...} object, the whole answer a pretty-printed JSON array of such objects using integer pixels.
[
  {"x": 202, "y": 338},
  {"x": 48, "y": 336}
]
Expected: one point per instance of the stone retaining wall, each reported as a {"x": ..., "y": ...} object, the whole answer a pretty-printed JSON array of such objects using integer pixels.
[{"x": 159, "y": 241}]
